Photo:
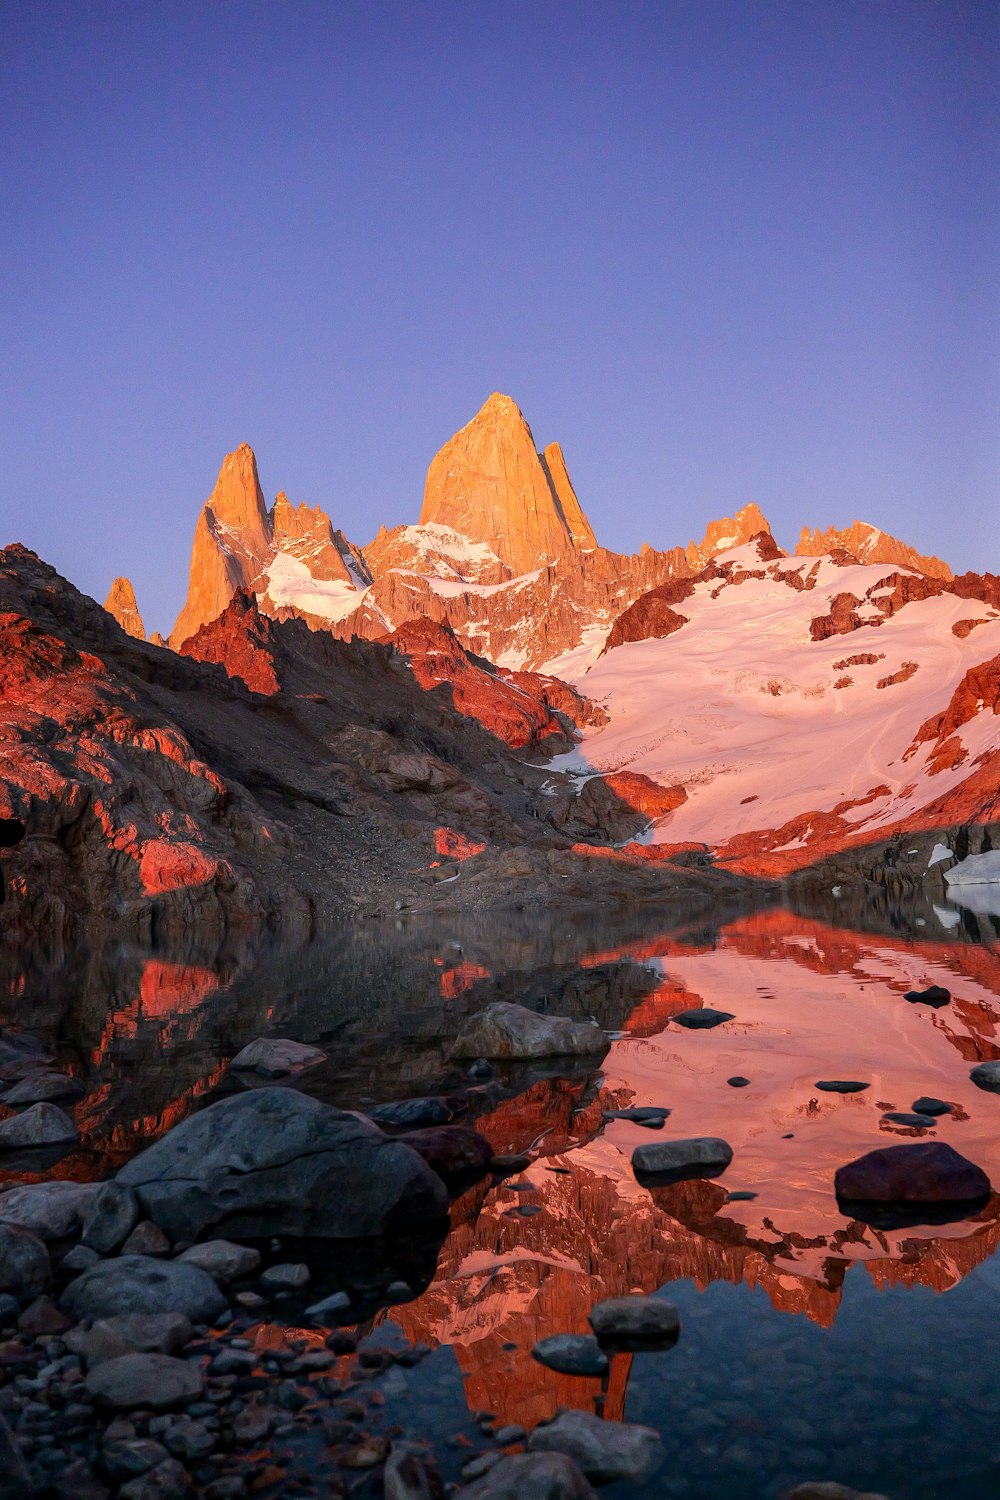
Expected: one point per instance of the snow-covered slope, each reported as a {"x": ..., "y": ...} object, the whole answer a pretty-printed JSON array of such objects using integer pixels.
[{"x": 763, "y": 716}]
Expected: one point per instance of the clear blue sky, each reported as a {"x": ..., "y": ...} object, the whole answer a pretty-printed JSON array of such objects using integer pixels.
[{"x": 723, "y": 250}]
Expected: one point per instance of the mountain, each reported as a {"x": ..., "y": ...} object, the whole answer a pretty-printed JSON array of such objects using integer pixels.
[
  {"x": 867, "y": 544},
  {"x": 805, "y": 704},
  {"x": 121, "y": 604}
]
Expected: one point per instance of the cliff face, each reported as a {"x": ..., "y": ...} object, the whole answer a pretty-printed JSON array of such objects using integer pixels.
[
  {"x": 232, "y": 544},
  {"x": 867, "y": 544}
]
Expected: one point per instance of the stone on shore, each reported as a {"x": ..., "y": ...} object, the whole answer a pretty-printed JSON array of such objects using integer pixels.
[
  {"x": 42, "y": 1088},
  {"x": 52, "y": 1210},
  {"x": 928, "y": 1172},
  {"x": 111, "y": 1218},
  {"x": 635, "y": 1323},
  {"x": 25, "y": 1270},
  {"x": 677, "y": 1161},
  {"x": 156, "y": 1381},
  {"x": 273, "y": 1161},
  {"x": 530, "y": 1476},
  {"x": 276, "y": 1057},
  {"x": 223, "y": 1261},
  {"x": 505, "y": 1030},
  {"x": 41, "y": 1125},
  {"x": 604, "y": 1451},
  {"x": 649, "y": 1115},
  {"x": 130, "y": 1333},
  {"x": 137, "y": 1284}
]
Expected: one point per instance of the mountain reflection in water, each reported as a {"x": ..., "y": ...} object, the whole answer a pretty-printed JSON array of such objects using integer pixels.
[{"x": 150, "y": 1038}]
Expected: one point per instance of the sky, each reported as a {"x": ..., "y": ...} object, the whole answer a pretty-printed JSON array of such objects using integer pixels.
[{"x": 722, "y": 250}]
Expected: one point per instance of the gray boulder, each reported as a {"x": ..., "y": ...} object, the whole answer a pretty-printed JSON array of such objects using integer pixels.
[
  {"x": 605, "y": 1451},
  {"x": 275, "y": 1162},
  {"x": 987, "y": 1076},
  {"x": 111, "y": 1218},
  {"x": 571, "y": 1354},
  {"x": 135, "y": 1284},
  {"x": 224, "y": 1261},
  {"x": 511, "y": 1031},
  {"x": 41, "y": 1125},
  {"x": 276, "y": 1057},
  {"x": 156, "y": 1381},
  {"x": 635, "y": 1323},
  {"x": 130, "y": 1333},
  {"x": 25, "y": 1271},
  {"x": 52, "y": 1210},
  {"x": 531, "y": 1476},
  {"x": 40, "y": 1088},
  {"x": 676, "y": 1161}
]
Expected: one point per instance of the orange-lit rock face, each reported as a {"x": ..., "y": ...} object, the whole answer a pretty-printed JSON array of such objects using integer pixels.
[
  {"x": 232, "y": 544},
  {"x": 489, "y": 484},
  {"x": 731, "y": 531},
  {"x": 867, "y": 544},
  {"x": 121, "y": 604}
]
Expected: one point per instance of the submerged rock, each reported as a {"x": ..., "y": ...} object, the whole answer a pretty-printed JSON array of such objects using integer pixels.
[
  {"x": 676, "y": 1161},
  {"x": 605, "y": 1451},
  {"x": 571, "y": 1354},
  {"x": 930, "y": 1172},
  {"x": 276, "y": 1057},
  {"x": 41, "y": 1125},
  {"x": 635, "y": 1323},
  {"x": 530, "y": 1476},
  {"x": 273, "y": 1161},
  {"x": 504, "y": 1030},
  {"x": 935, "y": 995},
  {"x": 134, "y": 1284},
  {"x": 415, "y": 1114},
  {"x": 928, "y": 1105},
  {"x": 911, "y": 1118},
  {"x": 702, "y": 1018},
  {"x": 43, "y": 1088}
]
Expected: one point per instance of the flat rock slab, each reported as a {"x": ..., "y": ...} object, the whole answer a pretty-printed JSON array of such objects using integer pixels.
[
  {"x": 928, "y": 1172},
  {"x": 52, "y": 1210},
  {"x": 504, "y": 1030},
  {"x": 222, "y": 1260},
  {"x": 677, "y": 1161},
  {"x": 702, "y": 1018},
  {"x": 530, "y": 1476},
  {"x": 987, "y": 1076},
  {"x": 41, "y": 1125},
  {"x": 137, "y": 1284},
  {"x": 273, "y": 1161},
  {"x": 604, "y": 1451},
  {"x": 156, "y": 1381},
  {"x": 635, "y": 1323},
  {"x": 276, "y": 1057},
  {"x": 841, "y": 1085},
  {"x": 928, "y": 1105},
  {"x": 935, "y": 995},
  {"x": 572, "y": 1354}
]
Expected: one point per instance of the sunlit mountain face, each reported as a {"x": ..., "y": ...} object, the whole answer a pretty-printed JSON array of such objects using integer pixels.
[{"x": 773, "y": 1279}]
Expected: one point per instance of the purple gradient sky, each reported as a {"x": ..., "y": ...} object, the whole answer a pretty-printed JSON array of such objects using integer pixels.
[{"x": 722, "y": 251}]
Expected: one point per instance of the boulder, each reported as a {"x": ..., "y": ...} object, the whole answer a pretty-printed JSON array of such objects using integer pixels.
[
  {"x": 41, "y": 1125},
  {"x": 571, "y": 1354},
  {"x": 112, "y": 1216},
  {"x": 276, "y": 1057},
  {"x": 156, "y": 1381},
  {"x": 935, "y": 995},
  {"x": 530, "y": 1476},
  {"x": 42, "y": 1088},
  {"x": 130, "y": 1333},
  {"x": 275, "y": 1162},
  {"x": 135, "y": 1284},
  {"x": 928, "y": 1172},
  {"x": 504, "y": 1030},
  {"x": 146, "y": 1238},
  {"x": 25, "y": 1271},
  {"x": 676, "y": 1161},
  {"x": 415, "y": 1114},
  {"x": 702, "y": 1018},
  {"x": 167, "y": 1481},
  {"x": 635, "y": 1323},
  {"x": 928, "y": 1105},
  {"x": 52, "y": 1210},
  {"x": 841, "y": 1085},
  {"x": 987, "y": 1076},
  {"x": 648, "y": 1115},
  {"x": 223, "y": 1261},
  {"x": 604, "y": 1451},
  {"x": 454, "y": 1152}
]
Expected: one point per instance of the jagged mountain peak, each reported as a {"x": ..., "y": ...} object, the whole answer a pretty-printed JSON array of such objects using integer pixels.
[
  {"x": 869, "y": 544},
  {"x": 121, "y": 603}
]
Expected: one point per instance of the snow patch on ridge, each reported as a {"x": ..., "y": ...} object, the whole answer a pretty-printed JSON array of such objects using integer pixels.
[{"x": 291, "y": 585}]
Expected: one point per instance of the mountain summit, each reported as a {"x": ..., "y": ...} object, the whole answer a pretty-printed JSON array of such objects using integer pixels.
[{"x": 490, "y": 484}]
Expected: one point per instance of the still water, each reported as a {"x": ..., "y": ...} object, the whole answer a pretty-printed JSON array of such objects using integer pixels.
[{"x": 812, "y": 1346}]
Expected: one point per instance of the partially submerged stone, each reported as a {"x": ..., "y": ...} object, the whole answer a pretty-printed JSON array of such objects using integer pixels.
[
  {"x": 677, "y": 1161},
  {"x": 25, "y": 1270},
  {"x": 41, "y": 1125},
  {"x": 841, "y": 1085},
  {"x": 276, "y": 1057},
  {"x": 42, "y": 1088},
  {"x": 635, "y": 1323},
  {"x": 571, "y": 1354},
  {"x": 928, "y": 1172},
  {"x": 702, "y": 1018},
  {"x": 935, "y": 995},
  {"x": 604, "y": 1451},
  {"x": 987, "y": 1076},
  {"x": 504, "y": 1030}
]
